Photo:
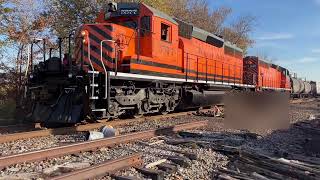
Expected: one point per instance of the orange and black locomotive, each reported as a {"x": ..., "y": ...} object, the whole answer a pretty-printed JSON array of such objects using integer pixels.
[{"x": 136, "y": 60}]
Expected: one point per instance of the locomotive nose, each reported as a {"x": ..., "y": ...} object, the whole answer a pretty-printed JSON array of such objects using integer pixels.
[{"x": 98, "y": 46}]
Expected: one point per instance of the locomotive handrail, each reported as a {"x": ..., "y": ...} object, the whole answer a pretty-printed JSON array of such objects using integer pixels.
[
  {"x": 89, "y": 55},
  {"x": 101, "y": 53},
  {"x": 223, "y": 67},
  {"x": 103, "y": 65},
  {"x": 91, "y": 65},
  {"x": 197, "y": 56}
]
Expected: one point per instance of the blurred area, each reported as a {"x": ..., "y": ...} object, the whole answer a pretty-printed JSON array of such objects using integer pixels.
[{"x": 257, "y": 112}]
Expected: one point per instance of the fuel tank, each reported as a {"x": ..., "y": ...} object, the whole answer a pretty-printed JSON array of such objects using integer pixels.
[{"x": 195, "y": 99}]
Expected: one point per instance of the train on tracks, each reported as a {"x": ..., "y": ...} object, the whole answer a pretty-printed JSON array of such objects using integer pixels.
[{"x": 136, "y": 60}]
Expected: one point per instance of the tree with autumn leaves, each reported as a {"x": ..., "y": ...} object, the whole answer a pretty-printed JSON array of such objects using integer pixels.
[{"x": 21, "y": 21}]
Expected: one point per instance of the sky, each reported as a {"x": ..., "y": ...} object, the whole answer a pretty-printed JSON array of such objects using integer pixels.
[{"x": 286, "y": 31}]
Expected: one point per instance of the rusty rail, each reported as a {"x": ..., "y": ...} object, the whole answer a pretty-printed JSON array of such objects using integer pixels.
[
  {"x": 71, "y": 130},
  {"x": 103, "y": 169},
  {"x": 94, "y": 145}
]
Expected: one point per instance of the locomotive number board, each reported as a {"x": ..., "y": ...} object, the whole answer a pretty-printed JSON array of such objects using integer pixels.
[{"x": 129, "y": 12}]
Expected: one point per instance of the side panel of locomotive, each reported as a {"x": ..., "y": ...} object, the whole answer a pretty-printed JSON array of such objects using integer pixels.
[
  {"x": 267, "y": 75},
  {"x": 210, "y": 62},
  {"x": 162, "y": 50}
]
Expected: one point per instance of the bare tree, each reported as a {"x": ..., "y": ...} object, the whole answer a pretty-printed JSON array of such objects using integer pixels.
[
  {"x": 239, "y": 32},
  {"x": 218, "y": 18}
]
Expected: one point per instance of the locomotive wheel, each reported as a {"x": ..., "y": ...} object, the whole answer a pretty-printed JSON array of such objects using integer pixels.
[
  {"x": 141, "y": 109},
  {"x": 137, "y": 116},
  {"x": 171, "y": 105},
  {"x": 164, "y": 112},
  {"x": 164, "y": 109},
  {"x": 114, "y": 109}
]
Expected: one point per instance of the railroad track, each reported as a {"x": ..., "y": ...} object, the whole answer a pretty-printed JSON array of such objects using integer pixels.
[
  {"x": 103, "y": 168},
  {"x": 16, "y": 128},
  {"x": 211, "y": 146},
  {"x": 107, "y": 167},
  {"x": 71, "y": 130},
  {"x": 299, "y": 101}
]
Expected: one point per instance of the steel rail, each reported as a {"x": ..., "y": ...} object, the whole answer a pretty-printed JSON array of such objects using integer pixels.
[
  {"x": 93, "y": 145},
  {"x": 16, "y": 128},
  {"x": 70, "y": 130},
  {"x": 107, "y": 167}
]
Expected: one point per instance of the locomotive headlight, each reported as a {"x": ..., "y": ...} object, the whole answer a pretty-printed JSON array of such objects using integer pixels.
[
  {"x": 84, "y": 33},
  {"x": 70, "y": 75},
  {"x": 31, "y": 76}
]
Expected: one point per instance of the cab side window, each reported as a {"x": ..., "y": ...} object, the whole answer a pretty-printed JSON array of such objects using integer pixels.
[
  {"x": 145, "y": 25},
  {"x": 165, "y": 32}
]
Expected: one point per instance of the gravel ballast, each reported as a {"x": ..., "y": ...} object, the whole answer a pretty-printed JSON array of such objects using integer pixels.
[{"x": 289, "y": 143}]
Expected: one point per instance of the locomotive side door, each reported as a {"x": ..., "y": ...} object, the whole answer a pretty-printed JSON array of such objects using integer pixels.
[{"x": 145, "y": 39}]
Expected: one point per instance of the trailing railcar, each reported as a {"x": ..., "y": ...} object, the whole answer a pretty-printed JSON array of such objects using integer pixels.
[
  {"x": 313, "y": 85},
  {"x": 303, "y": 89},
  {"x": 297, "y": 86}
]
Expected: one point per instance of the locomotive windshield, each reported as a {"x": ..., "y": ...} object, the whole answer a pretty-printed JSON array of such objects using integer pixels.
[{"x": 130, "y": 23}]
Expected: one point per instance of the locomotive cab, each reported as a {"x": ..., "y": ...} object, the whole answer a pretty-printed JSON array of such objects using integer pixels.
[{"x": 141, "y": 34}]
